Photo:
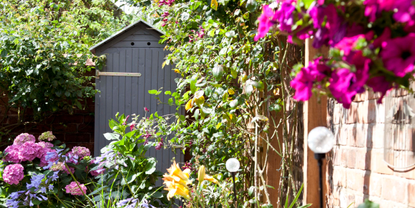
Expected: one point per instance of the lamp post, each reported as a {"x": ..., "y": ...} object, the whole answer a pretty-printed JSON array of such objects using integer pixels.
[
  {"x": 320, "y": 141},
  {"x": 232, "y": 165}
]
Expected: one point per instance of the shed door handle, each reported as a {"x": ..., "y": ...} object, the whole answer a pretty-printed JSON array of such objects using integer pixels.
[{"x": 118, "y": 74}]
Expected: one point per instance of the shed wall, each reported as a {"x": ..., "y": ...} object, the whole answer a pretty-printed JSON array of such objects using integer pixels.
[{"x": 128, "y": 95}]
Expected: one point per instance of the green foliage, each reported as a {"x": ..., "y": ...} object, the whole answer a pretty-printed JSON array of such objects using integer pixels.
[
  {"x": 44, "y": 48},
  {"x": 368, "y": 204},
  {"x": 212, "y": 47},
  {"x": 131, "y": 173}
]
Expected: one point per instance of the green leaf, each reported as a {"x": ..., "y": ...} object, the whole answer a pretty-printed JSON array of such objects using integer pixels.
[
  {"x": 112, "y": 136},
  {"x": 150, "y": 166},
  {"x": 152, "y": 92}
]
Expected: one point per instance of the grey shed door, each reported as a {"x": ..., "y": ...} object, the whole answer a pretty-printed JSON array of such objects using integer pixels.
[{"x": 129, "y": 95}]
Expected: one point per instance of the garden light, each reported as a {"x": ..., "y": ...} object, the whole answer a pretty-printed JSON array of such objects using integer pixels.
[
  {"x": 232, "y": 165},
  {"x": 320, "y": 141}
]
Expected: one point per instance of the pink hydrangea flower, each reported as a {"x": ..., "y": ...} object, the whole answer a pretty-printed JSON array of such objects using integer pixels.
[
  {"x": 265, "y": 22},
  {"x": 30, "y": 151},
  {"x": 100, "y": 170},
  {"x": 13, "y": 174},
  {"x": 398, "y": 54},
  {"x": 81, "y": 152},
  {"x": 23, "y": 138},
  {"x": 71, "y": 169},
  {"x": 75, "y": 188},
  {"x": 47, "y": 136},
  {"x": 13, "y": 154}
]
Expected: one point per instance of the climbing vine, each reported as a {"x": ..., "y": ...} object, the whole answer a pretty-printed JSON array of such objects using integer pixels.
[{"x": 235, "y": 92}]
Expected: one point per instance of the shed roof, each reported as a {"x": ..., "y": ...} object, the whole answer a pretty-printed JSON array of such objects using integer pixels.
[{"x": 129, "y": 27}]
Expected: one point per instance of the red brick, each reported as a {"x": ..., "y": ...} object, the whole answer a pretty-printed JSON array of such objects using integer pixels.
[
  {"x": 391, "y": 204},
  {"x": 380, "y": 113},
  {"x": 69, "y": 119},
  {"x": 355, "y": 180},
  {"x": 378, "y": 164},
  {"x": 68, "y": 128},
  {"x": 394, "y": 189},
  {"x": 351, "y": 114},
  {"x": 351, "y": 135},
  {"x": 361, "y": 96},
  {"x": 339, "y": 176},
  {"x": 338, "y": 114},
  {"x": 80, "y": 137},
  {"x": 358, "y": 200},
  {"x": 350, "y": 154},
  {"x": 346, "y": 198},
  {"x": 89, "y": 119},
  {"x": 361, "y": 135},
  {"x": 343, "y": 134},
  {"x": 363, "y": 157},
  {"x": 411, "y": 193},
  {"x": 12, "y": 120},
  {"x": 377, "y": 136},
  {"x": 86, "y": 127},
  {"x": 375, "y": 184}
]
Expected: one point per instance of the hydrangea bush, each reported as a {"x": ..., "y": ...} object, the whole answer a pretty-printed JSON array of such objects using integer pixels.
[
  {"x": 371, "y": 44},
  {"x": 50, "y": 175}
]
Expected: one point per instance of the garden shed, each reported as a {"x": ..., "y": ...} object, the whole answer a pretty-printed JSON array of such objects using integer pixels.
[{"x": 133, "y": 66}]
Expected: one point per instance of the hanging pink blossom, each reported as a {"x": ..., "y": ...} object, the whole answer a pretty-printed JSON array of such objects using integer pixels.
[
  {"x": 265, "y": 22},
  {"x": 398, "y": 54},
  {"x": 303, "y": 82}
]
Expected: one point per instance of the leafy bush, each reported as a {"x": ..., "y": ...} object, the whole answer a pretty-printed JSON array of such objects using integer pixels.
[{"x": 44, "y": 47}]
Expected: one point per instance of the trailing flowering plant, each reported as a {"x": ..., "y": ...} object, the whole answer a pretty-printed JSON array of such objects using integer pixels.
[{"x": 372, "y": 44}]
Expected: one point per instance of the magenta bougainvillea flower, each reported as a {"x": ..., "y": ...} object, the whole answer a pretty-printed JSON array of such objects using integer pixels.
[
  {"x": 13, "y": 174},
  {"x": 340, "y": 86},
  {"x": 398, "y": 54},
  {"x": 265, "y": 22},
  {"x": 382, "y": 39},
  {"x": 381, "y": 85},
  {"x": 23, "y": 138},
  {"x": 303, "y": 82},
  {"x": 404, "y": 10},
  {"x": 348, "y": 43},
  {"x": 284, "y": 16},
  {"x": 75, "y": 188},
  {"x": 372, "y": 9},
  {"x": 334, "y": 29}
]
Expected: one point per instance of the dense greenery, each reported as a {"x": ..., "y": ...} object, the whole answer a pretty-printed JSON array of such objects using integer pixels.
[
  {"x": 44, "y": 47},
  {"x": 230, "y": 85}
]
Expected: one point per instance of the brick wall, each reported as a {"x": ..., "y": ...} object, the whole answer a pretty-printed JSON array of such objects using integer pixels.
[{"x": 356, "y": 170}]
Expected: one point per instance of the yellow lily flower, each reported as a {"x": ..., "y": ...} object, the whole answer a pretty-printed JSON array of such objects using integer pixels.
[
  {"x": 177, "y": 189},
  {"x": 203, "y": 176},
  {"x": 189, "y": 104}
]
